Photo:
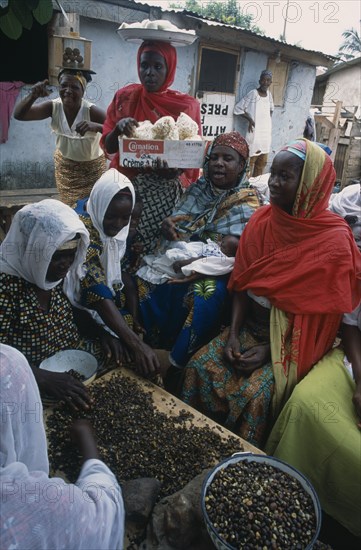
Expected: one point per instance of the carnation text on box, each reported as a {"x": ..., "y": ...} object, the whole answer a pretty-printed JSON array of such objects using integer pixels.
[{"x": 139, "y": 153}]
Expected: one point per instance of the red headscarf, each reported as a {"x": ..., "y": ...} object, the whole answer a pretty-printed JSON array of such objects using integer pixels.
[
  {"x": 307, "y": 264},
  {"x": 170, "y": 57},
  {"x": 134, "y": 101}
]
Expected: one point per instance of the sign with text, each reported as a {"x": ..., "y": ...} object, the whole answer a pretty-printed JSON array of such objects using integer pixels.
[
  {"x": 141, "y": 153},
  {"x": 216, "y": 113}
]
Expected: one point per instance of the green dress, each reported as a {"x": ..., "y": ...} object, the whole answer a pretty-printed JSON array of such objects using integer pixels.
[{"x": 317, "y": 433}]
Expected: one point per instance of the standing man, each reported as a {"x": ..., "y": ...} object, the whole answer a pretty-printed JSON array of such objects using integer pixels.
[{"x": 257, "y": 107}]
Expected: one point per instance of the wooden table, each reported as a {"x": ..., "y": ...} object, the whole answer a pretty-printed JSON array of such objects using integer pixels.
[
  {"x": 12, "y": 200},
  {"x": 169, "y": 404},
  {"x": 166, "y": 403}
]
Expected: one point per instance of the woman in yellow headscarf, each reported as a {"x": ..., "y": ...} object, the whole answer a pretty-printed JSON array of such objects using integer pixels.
[
  {"x": 318, "y": 431},
  {"x": 297, "y": 270}
]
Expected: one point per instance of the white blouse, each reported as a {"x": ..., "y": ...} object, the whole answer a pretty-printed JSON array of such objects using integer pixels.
[{"x": 72, "y": 145}]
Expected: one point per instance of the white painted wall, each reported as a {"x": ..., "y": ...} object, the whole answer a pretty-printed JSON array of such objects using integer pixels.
[
  {"x": 345, "y": 86},
  {"x": 288, "y": 121}
]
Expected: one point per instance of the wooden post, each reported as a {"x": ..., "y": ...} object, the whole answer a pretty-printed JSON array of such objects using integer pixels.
[
  {"x": 333, "y": 138},
  {"x": 337, "y": 113},
  {"x": 336, "y": 131},
  {"x": 345, "y": 165}
]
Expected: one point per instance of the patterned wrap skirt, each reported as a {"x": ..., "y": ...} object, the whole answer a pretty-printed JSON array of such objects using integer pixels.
[
  {"x": 240, "y": 403},
  {"x": 75, "y": 180},
  {"x": 183, "y": 317}
]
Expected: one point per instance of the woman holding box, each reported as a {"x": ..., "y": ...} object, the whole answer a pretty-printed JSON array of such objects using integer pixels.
[{"x": 150, "y": 100}]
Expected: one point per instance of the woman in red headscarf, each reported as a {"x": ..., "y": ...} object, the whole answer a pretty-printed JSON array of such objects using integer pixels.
[
  {"x": 161, "y": 188},
  {"x": 297, "y": 270}
]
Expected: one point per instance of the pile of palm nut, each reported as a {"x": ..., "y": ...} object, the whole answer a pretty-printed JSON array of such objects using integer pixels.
[
  {"x": 136, "y": 440},
  {"x": 254, "y": 505},
  {"x": 75, "y": 374}
]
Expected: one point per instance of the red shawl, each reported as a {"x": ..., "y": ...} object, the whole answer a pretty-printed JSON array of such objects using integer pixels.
[
  {"x": 307, "y": 264},
  {"x": 134, "y": 101}
]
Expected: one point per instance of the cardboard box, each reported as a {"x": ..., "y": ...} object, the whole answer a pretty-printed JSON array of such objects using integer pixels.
[{"x": 139, "y": 153}]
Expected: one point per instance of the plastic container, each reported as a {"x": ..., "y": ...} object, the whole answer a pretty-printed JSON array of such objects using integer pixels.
[
  {"x": 276, "y": 463},
  {"x": 63, "y": 361}
]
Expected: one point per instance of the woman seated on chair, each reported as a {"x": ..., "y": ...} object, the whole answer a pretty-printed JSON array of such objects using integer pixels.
[
  {"x": 46, "y": 243},
  {"x": 294, "y": 258}
]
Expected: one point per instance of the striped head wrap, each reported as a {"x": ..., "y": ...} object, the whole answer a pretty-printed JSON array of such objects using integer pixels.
[
  {"x": 297, "y": 147},
  {"x": 235, "y": 141},
  {"x": 317, "y": 178}
]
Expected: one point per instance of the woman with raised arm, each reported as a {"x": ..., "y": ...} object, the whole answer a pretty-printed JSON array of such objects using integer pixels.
[{"x": 77, "y": 124}]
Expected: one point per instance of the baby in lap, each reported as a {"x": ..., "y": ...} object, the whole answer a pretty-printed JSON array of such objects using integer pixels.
[{"x": 182, "y": 259}]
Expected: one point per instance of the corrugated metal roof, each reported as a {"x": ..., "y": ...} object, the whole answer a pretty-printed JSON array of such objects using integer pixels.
[{"x": 214, "y": 22}]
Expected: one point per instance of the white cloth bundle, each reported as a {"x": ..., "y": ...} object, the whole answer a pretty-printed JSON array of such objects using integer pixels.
[{"x": 211, "y": 261}]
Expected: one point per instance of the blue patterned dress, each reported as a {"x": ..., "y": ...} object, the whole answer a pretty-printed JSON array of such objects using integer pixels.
[{"x": 183, "y": 317}]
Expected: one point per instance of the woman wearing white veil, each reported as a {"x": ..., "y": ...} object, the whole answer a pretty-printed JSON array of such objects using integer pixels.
[
  {"x": 38, "y": 512},
  {"x": 106, "y": 214},
  {"x": 46, "y": 244}
]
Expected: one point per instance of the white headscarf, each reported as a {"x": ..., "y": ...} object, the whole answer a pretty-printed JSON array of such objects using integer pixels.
[
  {"x": 107, "y": 186},
  {"x": 347, "y": 203},
  {"x": 36, "y": 232},
  {"x": 38, "y": 511}
]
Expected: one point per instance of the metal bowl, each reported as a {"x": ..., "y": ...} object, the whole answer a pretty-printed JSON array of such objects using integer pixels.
[{"x": 276, "y": 463}]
